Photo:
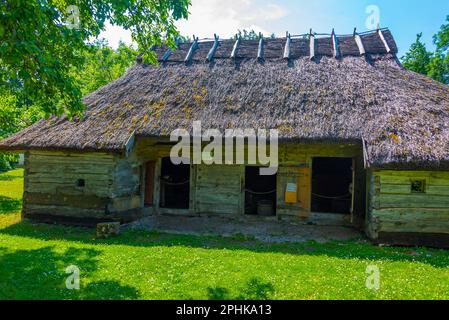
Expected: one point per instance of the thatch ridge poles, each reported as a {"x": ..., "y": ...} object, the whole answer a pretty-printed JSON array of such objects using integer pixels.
[
  {"x": 260, "y": 53},
  {"x": 381, "y": 35},
  {"x": 211, "y": 54},
  {"x": 312, "y": 45},
  {"x": 169, "y": 51},
  {"x": 335, "y": 44},
  {"x": 287, "y": 46},
  {"x": 359, "y": 42},
  {"x": 235, "y": 49},
  {"x": 192, "y": 49}
]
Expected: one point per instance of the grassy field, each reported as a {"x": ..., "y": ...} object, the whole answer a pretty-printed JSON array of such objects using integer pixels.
[{"x": 139, "y": 265}]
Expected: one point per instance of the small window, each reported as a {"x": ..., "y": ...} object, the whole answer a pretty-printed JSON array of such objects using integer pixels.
[
  {"x": 80, "y": 183},
  {"x": 418, "y": 186}
]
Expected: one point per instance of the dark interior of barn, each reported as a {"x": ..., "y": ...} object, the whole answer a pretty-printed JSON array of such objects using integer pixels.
[
  {"x": 260, "y": 193},
  {"x": 175, "y": 185},
  {"x": 331, "y": 183}
]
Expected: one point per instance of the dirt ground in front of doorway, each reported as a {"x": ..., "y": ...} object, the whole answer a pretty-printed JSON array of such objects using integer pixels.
[{"x": 266, "y": 230}]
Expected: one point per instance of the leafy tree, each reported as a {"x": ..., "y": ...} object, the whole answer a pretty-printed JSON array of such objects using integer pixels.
[
  {"x": 41, "y": 41},
  {"x": 13, "y": 117},
  {"x": 433, "y": 64},
  {"x": 418, "y": 58},
  {"x": 250, "y": 35},
  {"x": 103, "y": 65}
]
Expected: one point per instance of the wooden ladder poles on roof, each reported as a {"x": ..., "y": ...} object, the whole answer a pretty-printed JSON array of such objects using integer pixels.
[
  {"x": 359, "y": 42},
  {"x": 288, "y": 43},
  {"x": 312, "y": 45},
  {"x": 260, "y": 51},
  {"x": 211, "y": 54},
  {"x": 381, "y": 35},
  {"x": 235, "y": 49},
  {"x": 336, "y": 45},
  {"x": 192, "y": 49},
  {"x": 169, "y": 51}
]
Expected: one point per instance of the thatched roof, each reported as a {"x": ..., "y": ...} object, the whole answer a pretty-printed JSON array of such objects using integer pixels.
[{"x": 399, "y": 116}]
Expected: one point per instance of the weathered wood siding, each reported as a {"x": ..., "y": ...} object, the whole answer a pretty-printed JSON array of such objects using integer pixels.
[
  {"x": 51, "y": 184},
  {"x": 219, "y": 189},
  {"x": 394, "y": 208}
]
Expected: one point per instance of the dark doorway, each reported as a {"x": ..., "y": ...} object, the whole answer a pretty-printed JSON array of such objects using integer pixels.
[
  {"x": 175, "y": 185},
  {"x": 331, "y": 185},
  {"x": 260, "y": 193}
]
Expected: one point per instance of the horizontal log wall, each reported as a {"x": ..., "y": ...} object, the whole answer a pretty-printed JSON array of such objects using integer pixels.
[
  {"x": 52, "y": 184},
  {"x": 395, "y": 208},
  {"x": 218, "y": 189}
]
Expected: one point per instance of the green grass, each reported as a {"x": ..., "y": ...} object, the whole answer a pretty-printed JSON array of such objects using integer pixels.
[{"x": 140, "y": 265}]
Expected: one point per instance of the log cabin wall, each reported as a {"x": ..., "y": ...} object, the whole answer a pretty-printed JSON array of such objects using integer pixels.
[
  {"x": 220, "y": 189},
  {"x": 100, "y": 186},
  {"x": 69, "y": 185},
  {"x": 407, "y": 202}
]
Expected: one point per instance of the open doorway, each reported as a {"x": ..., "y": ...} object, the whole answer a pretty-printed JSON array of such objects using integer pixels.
[
  {"x": 331, "y": 185},
  {"x": 260, "y": 193},
  {"x": 175, "y": 185}
]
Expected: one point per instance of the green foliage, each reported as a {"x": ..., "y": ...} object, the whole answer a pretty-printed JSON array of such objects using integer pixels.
[
  {"x": 103, "y": 65},
  {"x": 418, "y": 58},
  {"x": 250, "y": 35},
  {"x": 13, "y": 117},
  {"x": 433, "y": 64},
  {"x": 39, "y": 47}
]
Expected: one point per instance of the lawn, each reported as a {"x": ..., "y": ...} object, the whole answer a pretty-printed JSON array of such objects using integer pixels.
[{"x": 141, "y": 265}]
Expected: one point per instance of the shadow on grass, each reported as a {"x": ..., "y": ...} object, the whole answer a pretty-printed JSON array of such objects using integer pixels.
[
  {"x": 9, "y": 205},
  {"x": 41, "y": 274},
  {"x": 255, "y": 289},
  {"x": 353, "y": 250}
]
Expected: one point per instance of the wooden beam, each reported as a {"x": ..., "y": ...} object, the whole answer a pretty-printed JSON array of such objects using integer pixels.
[
  {"x": 260, "y": 51},
  {"x": 235, "y": 49},
  {"x": 211, "y": 54},
  {"x": 312, "y": 45},
  {"x": 381, "y": 35},
  {"x": 359, "y": 42},
  {"x": 192, "y": 49},
  {"x": 287, "y": 47},
  {"x": 169, "y": 52},
  {"x": 336, "y": 45}
]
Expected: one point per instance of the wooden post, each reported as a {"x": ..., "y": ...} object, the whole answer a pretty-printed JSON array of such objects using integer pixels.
[
  {"x": 192, "y": 49},
  {"x": 287, "y": 47},
  {"x": 169, "y": 52},
  {"x": 260, "y": 53},
  {"x": 381, "y": 35},
  {"x": 336, "y": 45},
  {"x": 236, "y": 47},
  {"x": 359, "y": 42},
  {"x": 312, "y": 45},
  {"x": 211, "y": 54}
]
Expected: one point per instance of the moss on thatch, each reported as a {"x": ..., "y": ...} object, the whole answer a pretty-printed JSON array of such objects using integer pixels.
[{"x": 401, "y": 116}]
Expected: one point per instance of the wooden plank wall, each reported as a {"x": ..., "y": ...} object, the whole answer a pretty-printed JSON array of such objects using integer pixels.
[
  {"x": 51, "y": 183},
  {"x": 394, "y": 208},
  {"x": 115, "y": 183},
  {"x": 218, "y": 189}
]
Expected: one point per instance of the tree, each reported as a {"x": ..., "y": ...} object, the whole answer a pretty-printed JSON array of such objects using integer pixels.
[
  {"x": 250, "y": 35},
  {"x": 103, "y": 65},
  {"x": 418, "y": 58},
  {"x": 42, "y": 41},
  {"x": 13, "y": 117},
  {"x": 433, "y": 64}
]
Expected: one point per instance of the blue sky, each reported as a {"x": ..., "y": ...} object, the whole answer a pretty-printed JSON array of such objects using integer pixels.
[{"x": 405, "y": 18}]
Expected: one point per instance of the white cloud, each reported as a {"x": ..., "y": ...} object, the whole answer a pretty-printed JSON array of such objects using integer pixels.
[
  {"x": 115, "y": 34},
  {"x": 226, "y": 17}
]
